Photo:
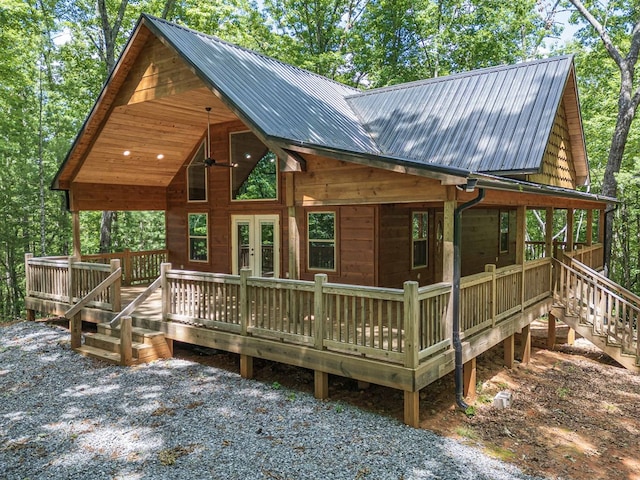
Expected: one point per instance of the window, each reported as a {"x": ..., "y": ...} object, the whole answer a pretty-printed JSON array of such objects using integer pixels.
[
  {"x": 197, "y": 177},
  {"x": 198, "y": 237},
  {"x": 504, "y": 232},
  {"x": 255, "y": 174},
  {"x": 420, "y": 239},
  {"x": 321, "y": 231}
]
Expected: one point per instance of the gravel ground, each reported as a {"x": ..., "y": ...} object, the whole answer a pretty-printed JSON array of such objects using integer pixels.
[{"x": 63, "y": 416}]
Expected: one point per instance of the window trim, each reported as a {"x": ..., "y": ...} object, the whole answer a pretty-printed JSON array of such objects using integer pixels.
[
  {"x": 335, "y": 241},
  {"x": 277, "y": 164},
  {"x": 206, "y": 175},
  {"x": 419, "y": 239},
  {"x": 500, "y": 232},
  {"x": 189, "y": 237}
]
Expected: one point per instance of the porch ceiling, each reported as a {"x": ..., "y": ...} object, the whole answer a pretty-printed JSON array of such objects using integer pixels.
[{"x": 170, "y": 126}]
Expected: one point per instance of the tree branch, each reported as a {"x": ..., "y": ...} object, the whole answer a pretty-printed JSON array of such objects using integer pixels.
[{"x": 604, "y": 36}]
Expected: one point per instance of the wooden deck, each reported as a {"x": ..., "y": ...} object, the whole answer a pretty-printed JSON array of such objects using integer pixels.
[{"x": 400, "y": 338}]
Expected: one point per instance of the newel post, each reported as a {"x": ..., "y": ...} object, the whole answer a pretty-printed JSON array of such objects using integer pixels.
[
  {"x": 318, "y": 310},
  {"x": 126, "y": 352},
  {"x": 31, "y": 314},
  {"x": 164, "y": 285},
  {"x": 115, "y": 296},
  {"x": 246, "y": 361},
  {"x": 411, "y": 324},
  {"x": 493, "y": 301},
  {"x": 70, "y": 280}
]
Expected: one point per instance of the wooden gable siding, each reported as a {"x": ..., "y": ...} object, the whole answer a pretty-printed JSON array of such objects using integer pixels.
[
  {"x": 394, "y": 258},
  {"x": 334, "y": 182},
  {"x": 480, "y": 240},
  {"x": 92, "y": 196},
  {"x": 219, "y": 207},
  {"x": 558, "y": 166}
]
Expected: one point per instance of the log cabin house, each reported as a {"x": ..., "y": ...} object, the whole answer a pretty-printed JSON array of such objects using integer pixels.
[{"x": 379, "y": 235}]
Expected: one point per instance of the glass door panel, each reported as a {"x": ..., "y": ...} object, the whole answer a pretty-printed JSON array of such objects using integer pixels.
[{"x": 256, "y": 244}]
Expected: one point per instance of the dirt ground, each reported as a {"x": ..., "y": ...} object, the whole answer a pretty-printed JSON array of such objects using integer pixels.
[{"x": 574, "y": 412}]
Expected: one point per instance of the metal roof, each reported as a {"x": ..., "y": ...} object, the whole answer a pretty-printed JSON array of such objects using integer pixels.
[
  {"x": 490, "y": 120},
  {"x": 283, "y": 101}
]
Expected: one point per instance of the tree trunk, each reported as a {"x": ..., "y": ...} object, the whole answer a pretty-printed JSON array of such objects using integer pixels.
[{"x": 105, "y": 231}]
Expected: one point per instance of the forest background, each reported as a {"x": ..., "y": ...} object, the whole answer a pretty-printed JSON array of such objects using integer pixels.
[{"x": 55, "y": 56}]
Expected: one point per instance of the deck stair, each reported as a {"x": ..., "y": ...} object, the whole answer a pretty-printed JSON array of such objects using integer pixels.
[
  {"x": 147, "y": 345},
  {"x": 598, "y": 309}
]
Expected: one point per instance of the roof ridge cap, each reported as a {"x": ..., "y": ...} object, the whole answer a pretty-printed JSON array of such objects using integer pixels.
[
  {"x": 248, "y": 50},
  {"x": 458, "y": 75}
]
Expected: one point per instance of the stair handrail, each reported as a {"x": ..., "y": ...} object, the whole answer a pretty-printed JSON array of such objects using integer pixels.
[
  {"x": 595, "y": 282},
  {"x": 101, "y": 287},
  {"x": 139, "y": 300},
  {"x": 601, "y": 278}
]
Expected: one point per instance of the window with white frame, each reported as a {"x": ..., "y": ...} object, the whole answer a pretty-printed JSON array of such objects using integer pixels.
[
  {"x": 198, "y": 237},
  {"x": 197, "y": 177},
  {"x": 321, "y": 236},
  {"x": 420, "y": 239}
]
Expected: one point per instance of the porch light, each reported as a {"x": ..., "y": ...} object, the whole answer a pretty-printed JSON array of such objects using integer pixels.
[
  {"x": 160, "y": 156},
  {"x": 126, "y": 153}
]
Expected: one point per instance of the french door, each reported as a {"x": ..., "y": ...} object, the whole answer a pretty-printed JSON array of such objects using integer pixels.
[{"x": 256, "y": 244}]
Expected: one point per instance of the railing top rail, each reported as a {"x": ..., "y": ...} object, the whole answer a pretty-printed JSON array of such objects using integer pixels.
[
  {"x": 100, "y": 267},
  {"x": 49, "y": 261},
  {"x": 148, "y": 252},
  {"x": 284, "y": 282},
  {"x": 535, "y": 263},
  {"x": 475, "y": 279},
  {"x": 508, "y": 270}
]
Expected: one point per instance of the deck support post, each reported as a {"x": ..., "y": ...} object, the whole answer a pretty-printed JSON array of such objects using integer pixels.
[
  {"x": 525, "y": 347},
  {"x": 470, "y": 378},
  {"x": 169, "y": 345},
  {"x": 551, "y": 331},
  {"x": 509, "y": 350},
  {"x": 571, "y": 336},
  {"x": 126, "y": 352},
  {"x": 412, "y": 408},
  {"x": 320, "y": 384},
  {"x": 246, "y": 366},
  {"x": 548, "y": 232},
  {"x": 75, "y": 327}
]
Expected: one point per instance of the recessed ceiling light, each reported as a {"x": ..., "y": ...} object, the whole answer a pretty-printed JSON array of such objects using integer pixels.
[
  {"x": 160, "y": 156},
  {"x": 126, "y": 153}
]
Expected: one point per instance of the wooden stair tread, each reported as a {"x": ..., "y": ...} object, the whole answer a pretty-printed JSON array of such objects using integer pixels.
[
  {"x": 115, "y": 341},
  {"x": 144, "y": 332},
  {"x": 99, "y": 354}
]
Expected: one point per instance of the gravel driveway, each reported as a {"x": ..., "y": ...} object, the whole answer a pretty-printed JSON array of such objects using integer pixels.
[{"x": 63, "y": 416}]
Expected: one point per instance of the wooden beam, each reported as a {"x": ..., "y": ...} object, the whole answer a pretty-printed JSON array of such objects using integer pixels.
[
  {"x": 412, "y": 408},
  {"x": 75, "y": 222},
  {"x": 548, "y": 232},
  {"x": 569, "y": 229},
  {"x": 521, "y": 232},
  {"x": 246, "y": 366},
  {"x": 321, "y": 384},
  {"x": 470, "y": 378},
  {"x": 509, "y": 351},
  {"x": 525, "y": 345},
  {"x": 551, "y": 331}
]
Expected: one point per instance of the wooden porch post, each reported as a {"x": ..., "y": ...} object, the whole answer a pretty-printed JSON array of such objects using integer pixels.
[
  {"x": 521, "y": 234},
  {"x": 164, "y": 286},
  {"x": 509, "y": 350},
  {"x": 470, "y": 378},
  {"x": 293, "y": 230},
  {"x": 601, "y": 227},
  {"x": 548, "y": 232},
  {"x": 447, "y": 255},
  {"x": 75, "y": 222},
  {"x": 525, "y": 347},
  {"x": 569, "y": 229},
  {"x": 412, "y": 408},
  {"x": 590, "y": 227}
]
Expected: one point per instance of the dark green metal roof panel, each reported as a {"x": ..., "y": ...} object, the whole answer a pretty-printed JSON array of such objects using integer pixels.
[
  {"x": 490, "y": 120},
  {"x": 281, "y": 100}
]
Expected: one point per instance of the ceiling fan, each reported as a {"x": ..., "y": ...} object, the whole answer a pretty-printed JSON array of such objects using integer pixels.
[{"x": 209, "y": 161}]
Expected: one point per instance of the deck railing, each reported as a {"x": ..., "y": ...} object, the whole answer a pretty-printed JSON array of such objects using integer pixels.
[
  {"x": 66, "y": 280},
  {"x": 610, "y": 310},
  {"x": 137, "y": 267},
  {"x": 590, "y": 255},
  {"x": 489, "y": 297}
]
